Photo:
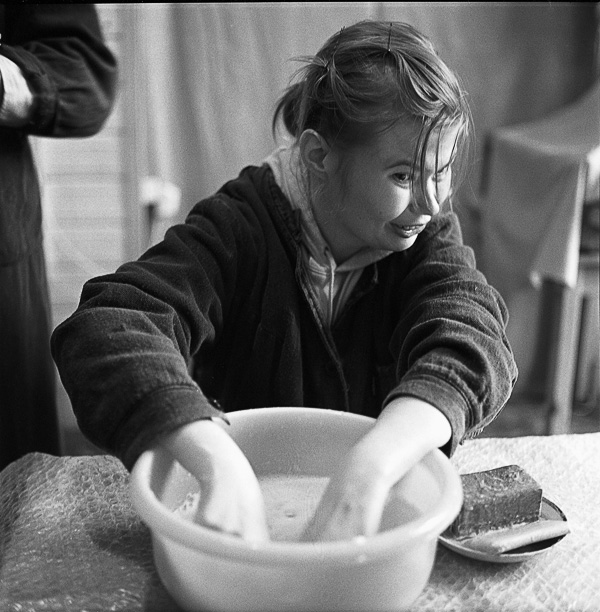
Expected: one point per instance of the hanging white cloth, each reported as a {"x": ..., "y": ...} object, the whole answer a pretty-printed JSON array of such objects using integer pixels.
[{"x": 540, "y": 175}]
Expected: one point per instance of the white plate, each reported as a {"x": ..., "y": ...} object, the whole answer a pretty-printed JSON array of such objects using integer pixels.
[{"x": 549, "y": 511}]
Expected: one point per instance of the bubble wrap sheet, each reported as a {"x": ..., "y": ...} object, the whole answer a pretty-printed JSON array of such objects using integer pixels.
[{"x": 70, "y": 540}]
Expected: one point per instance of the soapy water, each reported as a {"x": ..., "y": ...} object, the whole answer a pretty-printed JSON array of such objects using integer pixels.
[{"x": 291, "y": 501}]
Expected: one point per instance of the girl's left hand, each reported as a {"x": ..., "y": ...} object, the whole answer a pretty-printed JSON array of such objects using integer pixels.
[
  {"x": 353, "y": 502},
  {"x": 355, "y": 498}
]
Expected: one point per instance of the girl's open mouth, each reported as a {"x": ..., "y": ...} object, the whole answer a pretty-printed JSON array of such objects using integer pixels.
[{"x": 408, "y": 231}]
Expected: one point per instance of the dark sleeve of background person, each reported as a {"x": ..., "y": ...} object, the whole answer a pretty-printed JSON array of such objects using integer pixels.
[
  {"x": 72, "y": 75},
  {"x": 70, "y": 70}
]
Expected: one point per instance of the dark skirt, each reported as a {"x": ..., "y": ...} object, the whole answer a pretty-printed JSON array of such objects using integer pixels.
[{"x": 28, "y": 413}]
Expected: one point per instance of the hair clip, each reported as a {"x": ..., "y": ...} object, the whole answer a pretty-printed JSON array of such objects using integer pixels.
[{"x": 389, "y": 50}]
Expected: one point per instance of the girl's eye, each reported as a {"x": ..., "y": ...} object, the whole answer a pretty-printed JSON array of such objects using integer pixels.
[{"x": 402, "y": 178}]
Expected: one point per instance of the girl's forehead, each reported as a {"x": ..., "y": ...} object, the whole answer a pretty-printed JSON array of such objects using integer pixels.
[
  {"x": 398, "y": 145},
  {"x": 402, "y": 137}
]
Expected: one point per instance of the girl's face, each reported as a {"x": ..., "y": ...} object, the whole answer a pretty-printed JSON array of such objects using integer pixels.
[{"x": 380, "y": 200}]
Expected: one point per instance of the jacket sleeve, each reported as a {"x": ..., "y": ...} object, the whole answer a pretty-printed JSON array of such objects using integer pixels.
[
  {"x": 450, "y": 340},
  {"x": 124, "y": 354},
  {"x": 71, "y": 72}
]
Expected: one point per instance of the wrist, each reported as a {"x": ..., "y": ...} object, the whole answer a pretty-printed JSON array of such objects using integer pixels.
[
  {"x": 199, "y": 446},
  {"x": 417, "y": 420},
  {"x": 406, "y": 430}
]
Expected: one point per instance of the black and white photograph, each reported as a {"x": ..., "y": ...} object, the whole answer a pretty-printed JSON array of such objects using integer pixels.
[{"x": 299, "y": 307}]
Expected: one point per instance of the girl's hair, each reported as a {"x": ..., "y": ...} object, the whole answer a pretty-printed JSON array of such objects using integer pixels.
[{"x": 367, "y": 77}]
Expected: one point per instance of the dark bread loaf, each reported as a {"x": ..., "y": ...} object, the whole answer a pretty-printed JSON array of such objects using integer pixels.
[{"x": 497, "y": 499}]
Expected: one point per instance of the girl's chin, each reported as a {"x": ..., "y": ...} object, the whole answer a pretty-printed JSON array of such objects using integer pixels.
[{"x": 401, "y": 244}]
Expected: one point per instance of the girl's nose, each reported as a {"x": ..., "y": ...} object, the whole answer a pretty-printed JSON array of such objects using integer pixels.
[{"x": 424, "y": 198}]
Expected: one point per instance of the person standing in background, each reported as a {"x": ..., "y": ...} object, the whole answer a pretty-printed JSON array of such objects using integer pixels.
[{"x": 57, "y": 79}]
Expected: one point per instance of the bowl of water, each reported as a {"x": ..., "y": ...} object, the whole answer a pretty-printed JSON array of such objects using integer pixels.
[{"x": 294, "y": 452}]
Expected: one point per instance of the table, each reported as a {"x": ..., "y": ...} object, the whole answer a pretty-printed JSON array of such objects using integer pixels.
[{"x": 70, "y": 540}]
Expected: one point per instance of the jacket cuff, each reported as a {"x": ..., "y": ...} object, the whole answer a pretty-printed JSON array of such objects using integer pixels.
[{"x": 161, "y": 413}]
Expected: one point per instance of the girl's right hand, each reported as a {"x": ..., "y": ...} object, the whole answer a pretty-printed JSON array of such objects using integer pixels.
[{"x": 230, "y": 497}]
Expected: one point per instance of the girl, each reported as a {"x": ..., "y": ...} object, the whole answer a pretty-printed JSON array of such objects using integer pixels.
[{"x": 333, "y": 275}]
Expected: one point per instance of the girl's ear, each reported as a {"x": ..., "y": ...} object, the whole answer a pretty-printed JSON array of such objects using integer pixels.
[{"x": 316, "y": 154}]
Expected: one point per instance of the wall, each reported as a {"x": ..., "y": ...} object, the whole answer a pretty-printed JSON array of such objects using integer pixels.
[{"x": 85, "y": 183}]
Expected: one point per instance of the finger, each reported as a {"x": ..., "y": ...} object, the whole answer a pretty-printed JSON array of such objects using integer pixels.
[
  {"x": 256, "y": 532},
  {"x": 349, "y": 517},
  {"x": 373, "y": 507}
]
